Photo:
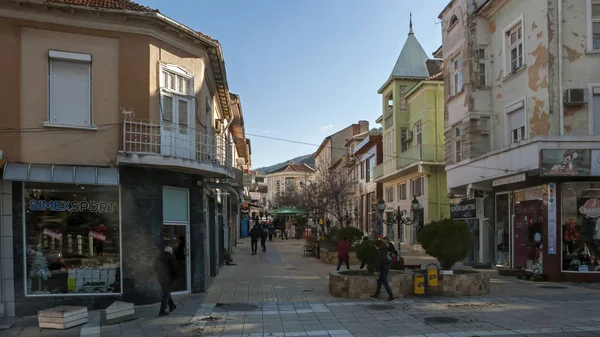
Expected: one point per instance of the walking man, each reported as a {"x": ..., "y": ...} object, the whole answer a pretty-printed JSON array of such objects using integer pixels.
[
  {"x": 263, "y": 237},
  {"x": 165, "y": 266},
  {"x": 255, "y": 233},
  {"x": 384, "y": 269}
]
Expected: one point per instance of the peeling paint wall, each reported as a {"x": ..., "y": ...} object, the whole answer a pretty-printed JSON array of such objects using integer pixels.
[{"x": 579, "y": 68}]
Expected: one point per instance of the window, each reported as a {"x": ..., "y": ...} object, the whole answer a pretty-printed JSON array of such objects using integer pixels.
[
  {"x": 70, "y": 89},
  {"x": 580, "y": 226},
  {"x": 515, "y": 115},
  {"x": 403, "y": 105},
  {"x": 390, "y": 145},
  {"x": 402, "y": 191},
  {"x": 458, "y": 148},
  {"x": 482, "y": 68},
  {"x": 417, "y": 186},
  {"x": 176, "y": 100},
  {"x": 484, "y": 128},
  {"x": 453, "y": 22},
  {"x": 593, "y": 25},
  {"x": 362, "y": 169},
  {"x": 457, "y": 84},
  {"x": 403, "y": 141},
  {"x": 418, "y": 134},
  {"x": 368, "y": 170},
  {"x": 514, "y": 47},
  {"x": 72, "y": 239},
  {"x": 389, "y": 193},
  {"x": 390, "y": 103}
]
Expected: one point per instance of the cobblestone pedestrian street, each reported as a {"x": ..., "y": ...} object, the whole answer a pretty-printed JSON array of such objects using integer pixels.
[{"x": 282, "y": 293}]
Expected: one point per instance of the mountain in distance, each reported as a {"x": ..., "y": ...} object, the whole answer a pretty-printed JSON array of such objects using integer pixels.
[{"x": 306, "y": 159}]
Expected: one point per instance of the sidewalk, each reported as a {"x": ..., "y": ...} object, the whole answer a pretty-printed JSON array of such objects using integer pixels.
[{"x": 282, "y": 293}]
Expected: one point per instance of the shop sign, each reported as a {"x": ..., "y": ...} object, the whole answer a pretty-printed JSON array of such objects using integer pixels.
[
  {"x": 464, "y": 209},
  {"x": 72, "y": 206},
  {"x": 517, "y": 178},
  {"x": 591, "y": 208},
  {"x": 555, "y": 162},
  {"x": 551, "y": 218},
  {"x": 52, "y": 234},
  {"x": 247, "y": 180},
  {"x": 97, "y": 236}
]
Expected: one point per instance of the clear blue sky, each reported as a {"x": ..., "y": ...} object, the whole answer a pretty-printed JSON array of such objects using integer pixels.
[{"x": 306, "y": 68}]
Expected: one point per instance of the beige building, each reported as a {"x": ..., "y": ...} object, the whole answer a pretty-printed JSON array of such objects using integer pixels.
[
  {"x": 119, "y": 136},
  {"x": 522, "y": 125},
  {"x": 285, "y": 179}
]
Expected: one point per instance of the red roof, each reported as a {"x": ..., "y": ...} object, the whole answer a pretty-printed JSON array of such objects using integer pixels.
[{"x": 107, "y": 4}]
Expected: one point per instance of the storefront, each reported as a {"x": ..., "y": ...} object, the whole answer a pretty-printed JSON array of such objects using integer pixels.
[
  {"x": 471, "y": 211},
  {"x": 89, "y": 235}
]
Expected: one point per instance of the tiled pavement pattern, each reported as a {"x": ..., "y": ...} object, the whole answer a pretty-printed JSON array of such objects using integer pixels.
[{"x": 282, "y": 293}]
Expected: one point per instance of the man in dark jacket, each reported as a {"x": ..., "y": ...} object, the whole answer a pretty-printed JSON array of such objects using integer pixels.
[
  {"x": 384, "y": 269},
  {"x": 255, "y": 234},
  {"x": 263, "y": 237},
  {"x": 166, "y": 270}
]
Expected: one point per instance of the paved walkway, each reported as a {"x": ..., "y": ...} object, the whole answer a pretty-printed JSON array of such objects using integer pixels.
[{"x": 282, "y": 293}]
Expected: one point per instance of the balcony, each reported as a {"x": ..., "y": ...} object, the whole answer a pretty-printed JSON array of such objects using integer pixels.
[
  {"x": 175, "y": 147},
  {"x": 377, "y": 172},
  {"x": 421, "y": 154}
]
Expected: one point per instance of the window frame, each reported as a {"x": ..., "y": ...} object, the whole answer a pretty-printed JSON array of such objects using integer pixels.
[
  {"x": 418, "y": 133},
  {"x": 72, "y": 57},
  {"x": 458, "y": 143},
  {"x": 456, "y": 71},
  {"x": 518, "y": 23},
  {"x": 520, "y": 104},
  {"x": 412, "y": 186},
  {"x": 389, "y": 194},
  {"x": 590, "y": 26},
  {"x": 483, "y": 63},
  {"x": 402, "y": 188}
]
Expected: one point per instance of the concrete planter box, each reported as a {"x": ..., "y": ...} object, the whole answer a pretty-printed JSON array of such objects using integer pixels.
[
  {"x": 330, "y": 257},
  {"x": 462, "y": 283},
  {"x": 361, "y": 286}
]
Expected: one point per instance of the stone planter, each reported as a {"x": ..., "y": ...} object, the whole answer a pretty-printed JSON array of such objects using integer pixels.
[
  {"x": 462, "y": 283},
  {"x": 330, "y": 257},
  {"x": 361, "y": 286}
]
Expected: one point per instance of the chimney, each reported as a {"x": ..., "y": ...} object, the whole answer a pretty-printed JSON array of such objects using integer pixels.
[{"x": 364, "y": 126}]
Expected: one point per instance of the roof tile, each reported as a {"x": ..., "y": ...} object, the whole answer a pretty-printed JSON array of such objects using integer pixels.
[{"x": 107, "y": 4}]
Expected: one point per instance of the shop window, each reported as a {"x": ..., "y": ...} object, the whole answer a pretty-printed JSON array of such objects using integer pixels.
[
  {"x": 72, "y": 239},
  {"x": 175, "y": 204},
  {"x": 581, "y": 227}
]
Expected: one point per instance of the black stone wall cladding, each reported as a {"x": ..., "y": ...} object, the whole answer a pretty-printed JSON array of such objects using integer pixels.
[
  {"x": 142, "y": 219},
  {"x": 141, "y": 231}
]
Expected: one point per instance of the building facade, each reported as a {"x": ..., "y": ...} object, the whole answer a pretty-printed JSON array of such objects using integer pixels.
[
  {"x": 286, "y": 179},
  {"x": 522, "y": 125},
  {"x": 413, "y": 153},
  {"x": 117, "y": 144}
]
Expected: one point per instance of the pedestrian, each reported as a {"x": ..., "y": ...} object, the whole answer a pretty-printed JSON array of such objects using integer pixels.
[
  {"x": 263, "y": 237},
  {"x": 343, "y": 249},
  {"x": 255, "y": 234},
  {"x": 271, "y": 232},
  {"x": 166, "y": 270},
  {"x": 392, "y": 252},
  {"x": 384, "y": 269}
]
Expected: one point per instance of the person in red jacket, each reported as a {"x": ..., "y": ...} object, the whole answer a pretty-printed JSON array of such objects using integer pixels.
[{"x": 343, "y": 250}]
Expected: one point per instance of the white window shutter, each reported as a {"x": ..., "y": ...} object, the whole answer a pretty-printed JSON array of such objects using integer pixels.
[
  {"x": 70, "y": 95},
  {"x": 516, "y": 119}
]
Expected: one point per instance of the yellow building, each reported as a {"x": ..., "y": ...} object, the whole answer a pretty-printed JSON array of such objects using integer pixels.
[{"x": 413, "y": 142}]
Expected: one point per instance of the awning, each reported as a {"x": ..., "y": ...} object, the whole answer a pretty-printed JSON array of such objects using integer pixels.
[{"x": 64, "y": 174}]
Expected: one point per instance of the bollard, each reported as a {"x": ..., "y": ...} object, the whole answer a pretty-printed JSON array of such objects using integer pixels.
[
  {"x": 419, "y": 282},
  {"x": 432, "y": 274}
]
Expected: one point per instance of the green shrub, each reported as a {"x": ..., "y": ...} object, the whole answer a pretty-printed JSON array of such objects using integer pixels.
[
  {"x": 446, "y": 240},
  {"x": 331, "y": 233},
  {"x": 366, "y": 252},
  {"x": 352, "y": 233}
]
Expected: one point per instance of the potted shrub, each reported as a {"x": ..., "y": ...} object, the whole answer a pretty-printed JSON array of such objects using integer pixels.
[
  {"x": 367, "y": 253},
  {"x": 446, "y": 240},
  {"x": 352, "y": 233}
]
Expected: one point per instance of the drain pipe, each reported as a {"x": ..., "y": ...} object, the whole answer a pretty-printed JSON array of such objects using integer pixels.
[{"x": 561, "y": 116}]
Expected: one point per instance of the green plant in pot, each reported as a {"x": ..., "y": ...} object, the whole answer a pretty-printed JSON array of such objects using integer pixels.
[
  {"x": 447, "y": 240},
  {"x": 353, "y": 234},
  {"x": 366, "y": 252}
]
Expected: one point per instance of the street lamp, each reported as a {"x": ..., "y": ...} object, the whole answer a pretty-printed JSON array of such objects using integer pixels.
[
  {"x": 417, "y": 211},
  {"x": 399, "y": 218},
  {"x": 356, "y": 216}
]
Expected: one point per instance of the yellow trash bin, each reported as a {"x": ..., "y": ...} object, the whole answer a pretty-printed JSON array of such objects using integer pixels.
[
  {"x": 419, "y": 284},
  {"x": 432, "y": 277}
]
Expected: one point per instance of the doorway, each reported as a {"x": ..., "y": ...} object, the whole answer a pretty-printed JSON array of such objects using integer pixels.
[
  {"x": 177, "y": 134},
  {"x": 529, "y": 218},
  {"x": 176, "y": 234}
]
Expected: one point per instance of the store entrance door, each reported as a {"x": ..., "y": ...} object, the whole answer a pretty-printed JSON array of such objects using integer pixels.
[
  {"x": 530, "y": 216},
  {"x": 177, "y": 237}
]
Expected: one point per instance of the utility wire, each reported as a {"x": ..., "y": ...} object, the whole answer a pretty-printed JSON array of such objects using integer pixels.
[{"x": 7, "y": 130}]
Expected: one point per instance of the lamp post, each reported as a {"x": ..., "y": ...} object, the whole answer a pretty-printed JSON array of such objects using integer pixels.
[
  {"x": 356, "y": 217},
  {"x": 400, "y": 219},
  {"x": 417, "y": 214}
]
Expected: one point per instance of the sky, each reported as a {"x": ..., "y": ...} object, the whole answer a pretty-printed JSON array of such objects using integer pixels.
[{"x": 305, "y": 69}]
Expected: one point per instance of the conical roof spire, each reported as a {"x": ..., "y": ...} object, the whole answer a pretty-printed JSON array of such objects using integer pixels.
[
  {"x": 410, "y": 31},
  {"x": 412, "y": 62}
]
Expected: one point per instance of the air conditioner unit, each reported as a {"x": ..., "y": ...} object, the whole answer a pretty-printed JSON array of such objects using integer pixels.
[
  {"x": 575, "y": 96},
  {"x": 408, "y": 136}
]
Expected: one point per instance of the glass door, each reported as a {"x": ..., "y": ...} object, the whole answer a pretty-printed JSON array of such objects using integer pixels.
[
  {"x": 176, "y": 236},
  {"x": 503, "y": 251}
]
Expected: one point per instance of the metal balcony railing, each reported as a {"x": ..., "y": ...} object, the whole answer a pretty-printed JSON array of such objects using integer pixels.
[
  {"x": 421, "y": 153},
  {"x": 175, "y": 140}
]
